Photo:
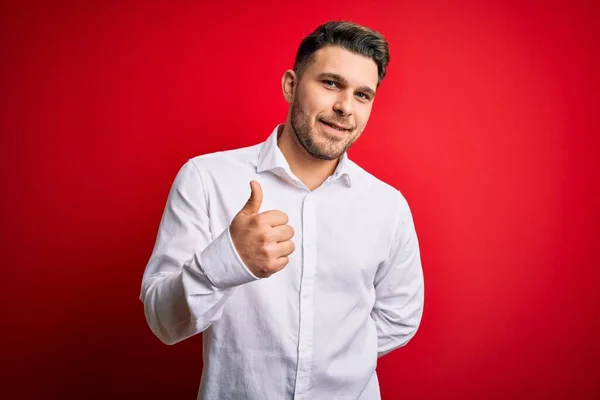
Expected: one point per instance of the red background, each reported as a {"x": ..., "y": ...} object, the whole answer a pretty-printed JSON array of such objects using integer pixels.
[{"x": 487, "y": 122}]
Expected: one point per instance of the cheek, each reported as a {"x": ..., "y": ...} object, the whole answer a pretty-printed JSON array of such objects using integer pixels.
[
  {"x": 321, "y": 102},
  {"x": 362, "y": 116}
]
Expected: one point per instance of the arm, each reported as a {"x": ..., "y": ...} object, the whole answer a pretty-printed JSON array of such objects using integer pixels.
[
  {"x": 399, "y": 287},
  {"x": 189, "y": 277}
]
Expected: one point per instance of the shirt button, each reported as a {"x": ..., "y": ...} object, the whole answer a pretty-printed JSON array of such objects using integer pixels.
[{"x": 306, "y": 296}]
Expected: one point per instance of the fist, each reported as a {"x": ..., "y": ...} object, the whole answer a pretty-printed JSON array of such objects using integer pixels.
[{"x": 263, "y": 240}]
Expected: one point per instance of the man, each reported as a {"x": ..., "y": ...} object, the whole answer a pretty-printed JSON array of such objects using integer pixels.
[{"x": 300, "y": 285}]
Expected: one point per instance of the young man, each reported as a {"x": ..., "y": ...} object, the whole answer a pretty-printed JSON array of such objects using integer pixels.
[{"x": 301, "y": 284}]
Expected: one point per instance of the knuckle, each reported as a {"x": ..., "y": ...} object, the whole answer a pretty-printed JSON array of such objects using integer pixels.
[
  {"x": 269, "y": 236},
  {"x": 260, "y": 243},
  {"x": 261, "y": 238},
  {"x": 264, "y": 251},
  {"x": 265, "y": 270}
]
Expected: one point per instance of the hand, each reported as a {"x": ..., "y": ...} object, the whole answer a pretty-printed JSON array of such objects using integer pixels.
[{"x": 263, "y": 240}]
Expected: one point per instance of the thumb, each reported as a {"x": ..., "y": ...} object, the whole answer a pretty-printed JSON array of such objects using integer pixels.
[{"x": 255, "y": 200}]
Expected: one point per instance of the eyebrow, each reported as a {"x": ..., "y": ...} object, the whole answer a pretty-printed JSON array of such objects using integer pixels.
[{"x": 341, "y": 79}]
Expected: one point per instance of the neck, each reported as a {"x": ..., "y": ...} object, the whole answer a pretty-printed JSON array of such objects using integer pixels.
[{"x": 309, "y": 169}]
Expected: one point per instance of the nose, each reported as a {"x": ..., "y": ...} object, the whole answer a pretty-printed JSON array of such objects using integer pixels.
[{"x": 343, "y": 104}]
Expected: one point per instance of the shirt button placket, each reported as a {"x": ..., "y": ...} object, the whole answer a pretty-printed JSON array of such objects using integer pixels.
[{"x": 305, "y": 345}]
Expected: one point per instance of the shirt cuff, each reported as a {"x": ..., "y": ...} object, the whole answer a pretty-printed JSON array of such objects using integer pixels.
[{"x": 223, "y": 265}]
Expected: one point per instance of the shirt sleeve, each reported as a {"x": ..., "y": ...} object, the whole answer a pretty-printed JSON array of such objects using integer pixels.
[
  {"x": 189, "y": 276},
  {"x": 399, "y": 286}
]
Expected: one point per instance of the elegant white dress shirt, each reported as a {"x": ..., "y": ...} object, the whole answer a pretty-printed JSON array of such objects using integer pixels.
[{"x": 352, "y": 291}]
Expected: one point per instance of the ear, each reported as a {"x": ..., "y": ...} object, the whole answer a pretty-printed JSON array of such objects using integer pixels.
[{"x": 288, "y": 85}]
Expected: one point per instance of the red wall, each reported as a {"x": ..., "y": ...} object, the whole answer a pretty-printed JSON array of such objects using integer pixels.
[{"x": 487, "y": 121}]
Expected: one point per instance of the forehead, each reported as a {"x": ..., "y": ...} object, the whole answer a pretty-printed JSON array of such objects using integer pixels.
[{"x": 359, "y": 70}]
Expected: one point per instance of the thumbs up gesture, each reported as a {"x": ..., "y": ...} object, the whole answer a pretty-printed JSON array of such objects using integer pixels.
[{"x": 263, "y": 240}]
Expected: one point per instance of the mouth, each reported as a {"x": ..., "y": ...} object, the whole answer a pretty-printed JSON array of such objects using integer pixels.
[{"x": 337, "y": 127}]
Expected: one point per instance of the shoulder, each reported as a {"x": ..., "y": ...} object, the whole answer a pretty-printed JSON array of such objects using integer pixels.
[
  {"x": 378, "y": 191},
  {"x": 203, "y": 170},
  {"x": 230, "y": 159}
]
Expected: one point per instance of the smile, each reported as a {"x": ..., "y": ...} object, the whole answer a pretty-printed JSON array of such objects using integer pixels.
[{"x": 335, "y": 126}]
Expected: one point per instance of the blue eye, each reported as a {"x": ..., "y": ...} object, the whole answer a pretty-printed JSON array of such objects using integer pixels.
[
  {"x": 364, "y": 96},
  {"x": 330, "y": 83}
]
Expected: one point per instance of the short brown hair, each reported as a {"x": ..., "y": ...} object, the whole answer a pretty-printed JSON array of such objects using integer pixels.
[{"x": 350, "y": 36}]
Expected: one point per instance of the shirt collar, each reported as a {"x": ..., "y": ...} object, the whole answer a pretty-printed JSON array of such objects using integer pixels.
[{"x": 270, "y": 158}]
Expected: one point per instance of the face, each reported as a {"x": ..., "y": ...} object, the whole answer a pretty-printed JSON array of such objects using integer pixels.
[{"x": 331, "y": 103}]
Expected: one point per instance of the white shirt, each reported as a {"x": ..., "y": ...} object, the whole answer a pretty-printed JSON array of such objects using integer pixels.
[{"x": 352, "y": 291}]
